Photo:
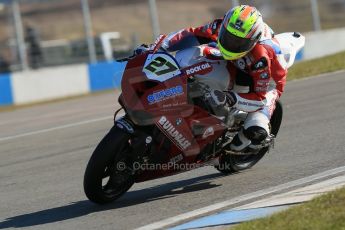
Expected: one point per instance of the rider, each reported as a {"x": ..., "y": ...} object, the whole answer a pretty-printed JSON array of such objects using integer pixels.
[{"x": 253, "y": 54}]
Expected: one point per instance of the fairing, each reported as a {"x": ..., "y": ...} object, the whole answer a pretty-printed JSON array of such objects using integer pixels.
[{"x": 165, "y": 102}]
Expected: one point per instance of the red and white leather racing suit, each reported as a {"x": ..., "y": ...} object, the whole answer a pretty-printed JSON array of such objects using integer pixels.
[{"x": 258, "y": 79}]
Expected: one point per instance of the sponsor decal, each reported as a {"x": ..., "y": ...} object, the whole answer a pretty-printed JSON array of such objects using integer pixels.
[
  {"x": 176, "y": 159},
  {"x": 173, "y": 104},
  {"x": 264, "y": 75},
  {"x": 178, "y": 121},
  {"x": 161, "y": 67},
  {"x": 238, "y": 25},
  {"x": 249, "y": 104},
  {"x": 214, "y": 25},
  {"x": 215, "y": 52},
  {"x": 248, "y": 60},
  {"x": 263, "y": 82},
  {"x": 262, "y": 86},
  {"x": 175, "y": 135},
  {"x": 205, "y": 28},
  {"x": 148, "y": 140},
  {"x": 165, "y": 94},
  {"x": 200, "y": 68},
  {"x": 208, "y": 132},
  {"x": 261, "y": 64},
  {"x": 123, "y": 124},
  {"x": 261, "y": 89},
  {"x": 241, "y": 63}
]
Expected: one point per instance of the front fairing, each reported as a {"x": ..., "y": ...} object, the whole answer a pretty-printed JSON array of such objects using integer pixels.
[
  {"x": 155, "y": 92},
  {"x": 150, "y": 90}
]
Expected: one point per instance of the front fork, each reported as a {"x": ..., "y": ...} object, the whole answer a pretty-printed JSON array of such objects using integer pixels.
[{"x": 140, "y": 142}]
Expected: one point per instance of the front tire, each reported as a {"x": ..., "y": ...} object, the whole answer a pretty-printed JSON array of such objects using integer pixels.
[
  {"x": 103, "y": 181},
  {"x": 229, "y": 163}
]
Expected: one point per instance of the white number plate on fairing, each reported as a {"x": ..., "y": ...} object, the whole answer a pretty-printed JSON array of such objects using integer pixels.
[{"x": 161, "y": 67}]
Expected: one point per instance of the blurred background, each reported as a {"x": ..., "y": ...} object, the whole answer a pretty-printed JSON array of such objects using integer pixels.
[{"x": 41, "y": 33}]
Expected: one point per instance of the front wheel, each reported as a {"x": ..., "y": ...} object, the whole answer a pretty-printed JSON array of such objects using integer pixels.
[
  {"x": 229, "y": 163},
  {"x": 106, "y": 178}
]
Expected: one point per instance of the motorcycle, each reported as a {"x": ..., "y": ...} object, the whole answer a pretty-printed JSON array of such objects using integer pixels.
[{"x": 170, "y": 124}]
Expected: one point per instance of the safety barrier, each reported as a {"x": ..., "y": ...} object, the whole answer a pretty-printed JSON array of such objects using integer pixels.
[
  {"x": 107, "y": 75},
  {"x": 51, "y": 83},
  {"x": 58, "y": 82},
  {"x": 325, "y": 42},
  {"x": 6, "y": 96}
]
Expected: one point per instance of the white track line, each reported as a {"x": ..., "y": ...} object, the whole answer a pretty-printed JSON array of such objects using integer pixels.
[
  {"x": 298, "y": 195},
  {"x": 55, "y": 128},
  {"x": 105, "y": 118},
  {"x": 182, "y": 217}
]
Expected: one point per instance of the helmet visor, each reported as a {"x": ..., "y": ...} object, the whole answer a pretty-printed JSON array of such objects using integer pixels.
[{"x": 234, "y": 44}]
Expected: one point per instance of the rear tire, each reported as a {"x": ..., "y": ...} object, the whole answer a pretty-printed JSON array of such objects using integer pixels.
[
  {"x": 103, "y": 165},
  {"x": 229, "y": 163}
]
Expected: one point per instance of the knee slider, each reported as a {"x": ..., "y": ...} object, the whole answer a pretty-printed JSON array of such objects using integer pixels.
[{"x": 256, "y": 134}]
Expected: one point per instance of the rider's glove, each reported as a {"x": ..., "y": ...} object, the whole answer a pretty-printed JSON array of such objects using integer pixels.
[
  {"x": 231, "y": 98},
  {"x": 218, "y": 97},
  {"x": 140, "y": 49},
  {"x": 212, "y": 44}
]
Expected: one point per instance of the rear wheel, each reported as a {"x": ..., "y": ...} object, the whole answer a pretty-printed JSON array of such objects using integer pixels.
[
  {"x": 106, "y": 177},
  {"x": 229, "y": 163}
]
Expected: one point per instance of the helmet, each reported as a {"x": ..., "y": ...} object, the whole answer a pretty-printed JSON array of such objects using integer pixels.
[{"x": 241, "y": 29}]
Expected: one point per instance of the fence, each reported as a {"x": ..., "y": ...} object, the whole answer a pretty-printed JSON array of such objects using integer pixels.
[
  {"x": 63, "y": 20},
  {"x": 56, "y": 82}
]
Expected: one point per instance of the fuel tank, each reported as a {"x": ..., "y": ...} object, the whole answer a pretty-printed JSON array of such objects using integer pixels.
[{"x": 218, "y": 78}]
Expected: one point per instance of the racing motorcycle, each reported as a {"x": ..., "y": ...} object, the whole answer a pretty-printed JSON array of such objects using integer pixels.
[{"x": 170, "y": 123}]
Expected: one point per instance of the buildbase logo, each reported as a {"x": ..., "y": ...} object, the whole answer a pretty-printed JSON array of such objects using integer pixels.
[
  {"x": 175, "y": 135},
  {"x": 200, "y": 68}
]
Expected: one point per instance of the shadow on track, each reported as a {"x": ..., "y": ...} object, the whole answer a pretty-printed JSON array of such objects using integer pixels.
[{"x": 85, "y": 207}]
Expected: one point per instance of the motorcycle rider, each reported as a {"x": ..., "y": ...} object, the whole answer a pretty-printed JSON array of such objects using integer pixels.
[{"x": 253, "y": 57}]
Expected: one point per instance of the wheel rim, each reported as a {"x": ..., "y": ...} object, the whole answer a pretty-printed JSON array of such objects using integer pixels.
[
  {"x": 115, "y": 181},
  {"x": 115, "y": 184}
]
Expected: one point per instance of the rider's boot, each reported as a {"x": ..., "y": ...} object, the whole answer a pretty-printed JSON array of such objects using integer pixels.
[
  {"x": 240, "y": 142},
  {"x": 251, "y": 137}
]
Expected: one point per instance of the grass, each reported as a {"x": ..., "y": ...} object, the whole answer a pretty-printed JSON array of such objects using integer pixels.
[
  {"x": 324, "y": 212},
  {"x": 317, "y": 66}
]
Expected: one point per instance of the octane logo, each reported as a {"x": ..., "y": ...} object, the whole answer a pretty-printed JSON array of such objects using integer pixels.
[
  {"x": 200, "y": 68},
  {"x": 176, "y": 136}
]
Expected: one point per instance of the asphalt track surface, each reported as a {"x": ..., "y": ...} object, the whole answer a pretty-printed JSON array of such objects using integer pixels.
[{"x": 44, "y": 150}]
